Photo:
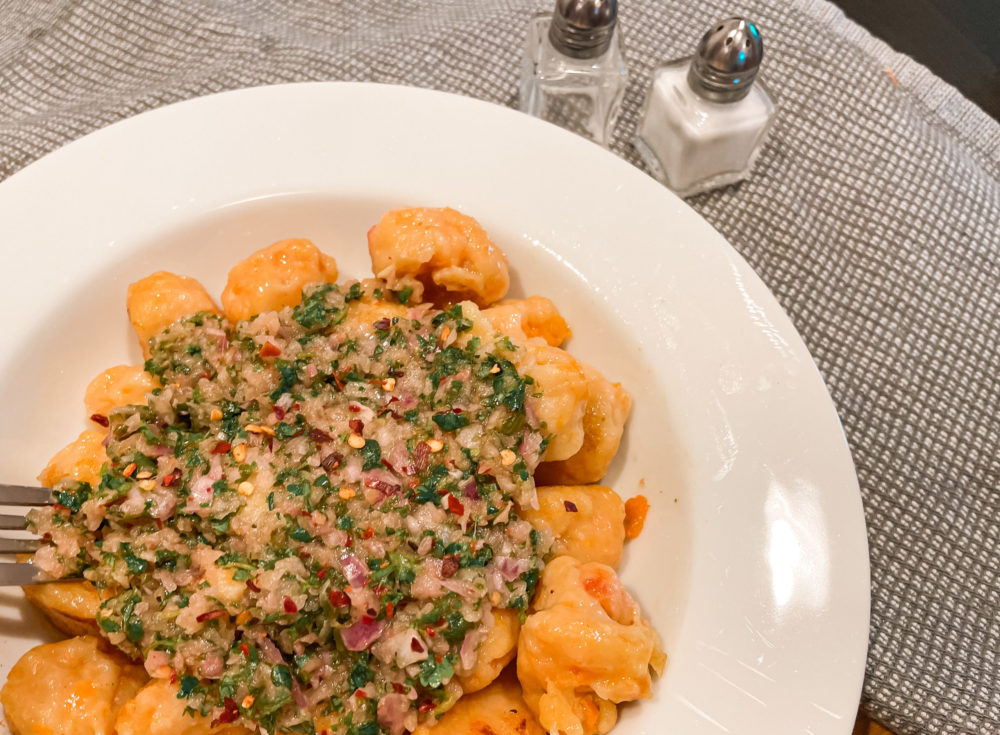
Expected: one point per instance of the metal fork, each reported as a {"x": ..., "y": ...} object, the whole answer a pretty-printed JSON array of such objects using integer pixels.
[{"x": 19, "y": 573}]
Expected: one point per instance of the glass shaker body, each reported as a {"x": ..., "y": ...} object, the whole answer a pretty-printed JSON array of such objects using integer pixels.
[
  {"x": 693, "y": 144},
  {"x": 582, "y": 95}
]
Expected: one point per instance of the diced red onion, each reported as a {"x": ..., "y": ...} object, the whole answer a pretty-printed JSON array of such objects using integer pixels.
[
  {"x": 155, "y": 662},
  {"x": 212, "y": 666},
  {"x": 298, "y": 696},
  {"x": 459, "y": 587},
  {"x": 271, "y": 653},
  {"x": 392, "y": 709},
  {"x": 362, "y": 634},
  {"x": 467, "y": 653},
  {"x": 354, "y": 570},
  {"x": 470, "y": 490},
  {"x": 511, "y": 569},
  {"x": 134, "y": 502}
]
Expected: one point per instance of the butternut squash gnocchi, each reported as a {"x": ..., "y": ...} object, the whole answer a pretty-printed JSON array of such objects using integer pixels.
[{"x": 315, "y": 510}]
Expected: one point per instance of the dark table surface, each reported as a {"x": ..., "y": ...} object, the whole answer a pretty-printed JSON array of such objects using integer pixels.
[{"x": 959, "y": 40}]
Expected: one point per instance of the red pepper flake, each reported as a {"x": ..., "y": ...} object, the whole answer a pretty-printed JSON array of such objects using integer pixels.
[
  {"x": 431, "y": 633},
  {"x": 129, "y": 469},
  {"x": 222, "y": 447},
  {"x": 349, "y": 542},
  {"x": 172, "y": 477},
  {"x": 252, "y": 587},
  {"x": 289, "y": 605},
  {"x": 367, "y": 619},
  {"x": 159, "y": 524},
  {"x": 338, "y": 598},
  {"x": 570, "y": 506},
  {"x": 321, "y": 574},
  {"x": 173, "y": 676},
  {"x": 210, "y": 615},
  {"x": 340, "y": 385},
  {"x": 421, "y": 453},
  {"x": 455, "y": 505},
  {"x": 319, "y": 436},
  {"x": 390, "y": 610},
  {"x": 416, "y": 645},
  {"x": 100, "y": 419},
  {"x": 245, "y": 650},
  {"x": 270, "y": 350},
  {"x": 353, "y": 407},
  {"x": 279, "y": 412},
  {"x": 360, "y": 694},
  {"x": 357, "y": 425},
  {"x": 398, "y": 688},
  {"x": 449, "y": 566},
  {"x": 331, "y": 461},
  {"x": 426, "y": 706},
  {"x": 230, "y": 712},
  {"x": 368, "y": 532}
]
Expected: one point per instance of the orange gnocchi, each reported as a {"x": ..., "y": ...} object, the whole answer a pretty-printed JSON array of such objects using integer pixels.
[
  {"x": 523, "y": 319},
  {"x": 272, "y": 278},
  {"x": 586, "y": 522},
  {"x": 121, "y": 385},
  {"x": 157, "y": 301},
  {"x": 585, "y": 649},
  {"x": 441, "y": 253},
  {"x": 607, "y": 410},
  {"x": 72, "y": 688}
]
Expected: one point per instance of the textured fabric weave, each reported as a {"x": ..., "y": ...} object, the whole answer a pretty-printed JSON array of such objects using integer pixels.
[{"x": 873, "y": 215}]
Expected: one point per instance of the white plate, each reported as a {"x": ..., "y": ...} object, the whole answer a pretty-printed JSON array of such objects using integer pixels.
[{"x": 753, "y": 565}]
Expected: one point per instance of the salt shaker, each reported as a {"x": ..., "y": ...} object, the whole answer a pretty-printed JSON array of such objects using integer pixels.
[
  {"x": 574, "y": 73},
  {"x": 705, "y": 118}
]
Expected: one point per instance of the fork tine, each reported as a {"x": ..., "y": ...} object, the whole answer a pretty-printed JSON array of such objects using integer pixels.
[
  {"x": 18, "y": 574},
  {"x": 22, "y": 495},
  {"x": 18, "y": 545},
  {"x": 13, "y": 523}
]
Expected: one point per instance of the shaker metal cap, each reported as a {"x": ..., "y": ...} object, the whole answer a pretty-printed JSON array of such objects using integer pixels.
[
  {"x": 583, "y": 29},
  {"x": 727, "y": 59}
]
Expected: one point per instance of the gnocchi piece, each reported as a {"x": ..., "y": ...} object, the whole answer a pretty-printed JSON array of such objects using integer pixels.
[
  {"x": 71, "y": 688},
  {"x": 70, "y": 606},
  {"x": 445, "y": 252},
  {"x": 499, "y": 709},
  {"x": 272, "y": 278},
  {"x": 587, "y": 522},
  {"x": 608, "y": 406},
  {"x": 521, "y": 319},
  {"x": 563, "y": 401},
  {"x": 495, "y": 652},
  {"x": 585, "y": 649},
  {"x": 157, "y": 301},
  {"x": 79, "y": 460},
  {"x": 122, "y": 385},
  {"x": 156, "y": 710}
]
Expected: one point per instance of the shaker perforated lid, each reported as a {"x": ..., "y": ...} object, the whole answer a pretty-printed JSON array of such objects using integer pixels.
[
  {"x": 583, "y": 29},
  {"x": 727, "y": 59}
]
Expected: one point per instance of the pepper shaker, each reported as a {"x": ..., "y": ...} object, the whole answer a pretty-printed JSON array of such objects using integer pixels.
[
  {"x": 705, "y": 117},
  {"x": 574, "y": 73}
]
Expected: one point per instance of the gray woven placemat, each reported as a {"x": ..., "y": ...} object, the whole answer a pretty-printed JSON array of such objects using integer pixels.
[{"x": 874, "y": 217}]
